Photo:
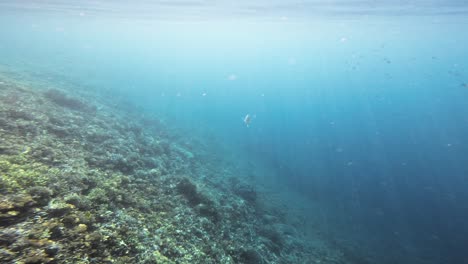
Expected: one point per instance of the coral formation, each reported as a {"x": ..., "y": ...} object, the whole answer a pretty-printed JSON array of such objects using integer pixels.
[
  {"x": 60, "y": 98},
  {"x": 83, "y": 181}
]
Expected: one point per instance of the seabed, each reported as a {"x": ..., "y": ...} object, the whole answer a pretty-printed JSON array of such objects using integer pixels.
[{"x": 85, "y": 180}]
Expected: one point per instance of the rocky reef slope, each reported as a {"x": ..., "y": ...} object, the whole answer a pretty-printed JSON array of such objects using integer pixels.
[{"x": 83, "y": 181}]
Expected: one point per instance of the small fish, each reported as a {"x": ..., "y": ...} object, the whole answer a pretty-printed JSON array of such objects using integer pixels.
[
  {"x": 464, "y": 85},
  {"x": 248, "y": 119}
]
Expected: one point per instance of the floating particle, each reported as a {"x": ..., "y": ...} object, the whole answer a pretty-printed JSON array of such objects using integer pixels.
[{"x": 232, "y": 77}]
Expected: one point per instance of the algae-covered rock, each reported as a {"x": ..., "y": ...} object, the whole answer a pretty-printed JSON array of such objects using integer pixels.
[
  {"x": 62, "y": 99},
  {"x": 160, "y": 258},
  {"x": 40, "y": 194},
  {"x": 19, "y": 173},
  {"x": 14, "y": 208},
  {"x": 94, "y": 238},
  {"x": 59, "y": 207},
  {"x": 250, "y": 256},
  {"x": 6, "y": 255},
  {"x": 81, "y": 228},
  {"x": 189, "y": 191},
  {"x": 245, "y": 191},
  {"x": 52, "y": 249},
  {"x": 208, "y": 209},
  {"x": 56, "y": 231},
  {"x": 8, "y": 236}
]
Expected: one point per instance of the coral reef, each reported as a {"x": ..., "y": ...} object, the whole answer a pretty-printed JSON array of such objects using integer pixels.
[
  {"x": 83, "y": 181},
  {"x": 62, "y": 99}
]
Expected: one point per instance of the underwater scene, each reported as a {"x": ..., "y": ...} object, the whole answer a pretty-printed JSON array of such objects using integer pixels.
[{"x": 250, "y": 132}]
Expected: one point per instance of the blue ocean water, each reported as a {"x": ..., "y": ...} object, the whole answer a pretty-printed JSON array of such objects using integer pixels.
[{"x": 358, "y": 107}]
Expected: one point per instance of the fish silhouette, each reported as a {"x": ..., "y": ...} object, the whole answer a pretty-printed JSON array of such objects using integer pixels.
[{"x": 248, "y": 119}]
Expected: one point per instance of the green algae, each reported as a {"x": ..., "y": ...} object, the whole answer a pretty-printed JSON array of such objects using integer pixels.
[
  {"x": 160, "y": 258},
  {"x": 19, "y": 173}
]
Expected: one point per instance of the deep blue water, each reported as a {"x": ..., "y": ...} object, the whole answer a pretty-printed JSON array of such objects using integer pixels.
[{"x": 359, "y": 106}]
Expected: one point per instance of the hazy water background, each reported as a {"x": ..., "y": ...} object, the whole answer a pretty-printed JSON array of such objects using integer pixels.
[{"x": 361, "y": 106}]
